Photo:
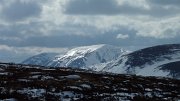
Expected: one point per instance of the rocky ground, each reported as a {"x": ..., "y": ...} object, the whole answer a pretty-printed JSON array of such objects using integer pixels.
[{"x": 31, "y": 83}]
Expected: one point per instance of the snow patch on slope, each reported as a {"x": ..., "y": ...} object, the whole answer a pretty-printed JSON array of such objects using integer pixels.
[{"x": 86, "y": 56}]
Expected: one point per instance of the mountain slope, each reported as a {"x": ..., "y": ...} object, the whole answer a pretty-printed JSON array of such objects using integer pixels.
[
  {"x": 41, "y": 59},
  {"x": 83, "y": 57},
  {"x": 173, "y": 67},
  {"x": 79, "y": 57},
  {"x": 146, "y": 61}
]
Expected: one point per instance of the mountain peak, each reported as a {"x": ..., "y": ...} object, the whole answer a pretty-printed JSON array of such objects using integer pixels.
[
  {"x": 83, "y": 57},
  {"x": 88, "y": 49},
  {"x": 83, "y": 49},
  {"x": 86, "y": 56}
]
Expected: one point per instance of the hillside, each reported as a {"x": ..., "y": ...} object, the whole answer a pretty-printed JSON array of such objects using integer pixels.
[
  {"x": 147, "y": 62},
  {"x": 33, "y": 83},
  {"x": 42, "y": 59},
  {"x": 79, "y": 57}
]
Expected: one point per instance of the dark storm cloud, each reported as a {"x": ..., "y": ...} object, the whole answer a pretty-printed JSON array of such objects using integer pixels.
[
  {"x": 111, "y": 7},
  {"x": 100, "y": 7},
  {"x": 165, "y": 2},
  {"x": 19, "y": 10},
  {"x": 92, "y": 7},
  {"x": 68, "y": 40},
  {"x": 106, "y": 38},
  {"x": 60, "y": 38},
  {"x": 159, "y": 11}
]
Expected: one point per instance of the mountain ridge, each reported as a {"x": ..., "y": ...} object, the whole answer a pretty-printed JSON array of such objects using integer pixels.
[
  {"x": 83, "y": 57},
  {"x": 107, "y": 58}
]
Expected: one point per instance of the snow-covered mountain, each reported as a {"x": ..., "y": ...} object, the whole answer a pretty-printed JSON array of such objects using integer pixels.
[
  {"x": 153, "y": 61},
  {"x": 162, "y": 60},
  {"x": 80, "y": 57},
  {"x": 42, "y": 59},
  {"x": 87, "y": 55}
]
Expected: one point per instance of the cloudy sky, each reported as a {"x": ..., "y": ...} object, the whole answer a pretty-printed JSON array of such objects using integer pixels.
[{"x": 29, "y": 27}]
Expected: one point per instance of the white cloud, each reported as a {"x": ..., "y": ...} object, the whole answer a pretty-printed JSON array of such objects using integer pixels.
[
  {"x": 161, "y": 28},
  {"x": 144, "y": 26},
  {"x": 122, "y": 36}
]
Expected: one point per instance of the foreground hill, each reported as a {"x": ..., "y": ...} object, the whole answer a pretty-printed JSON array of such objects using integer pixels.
[{"x": 33, "y": 83}]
